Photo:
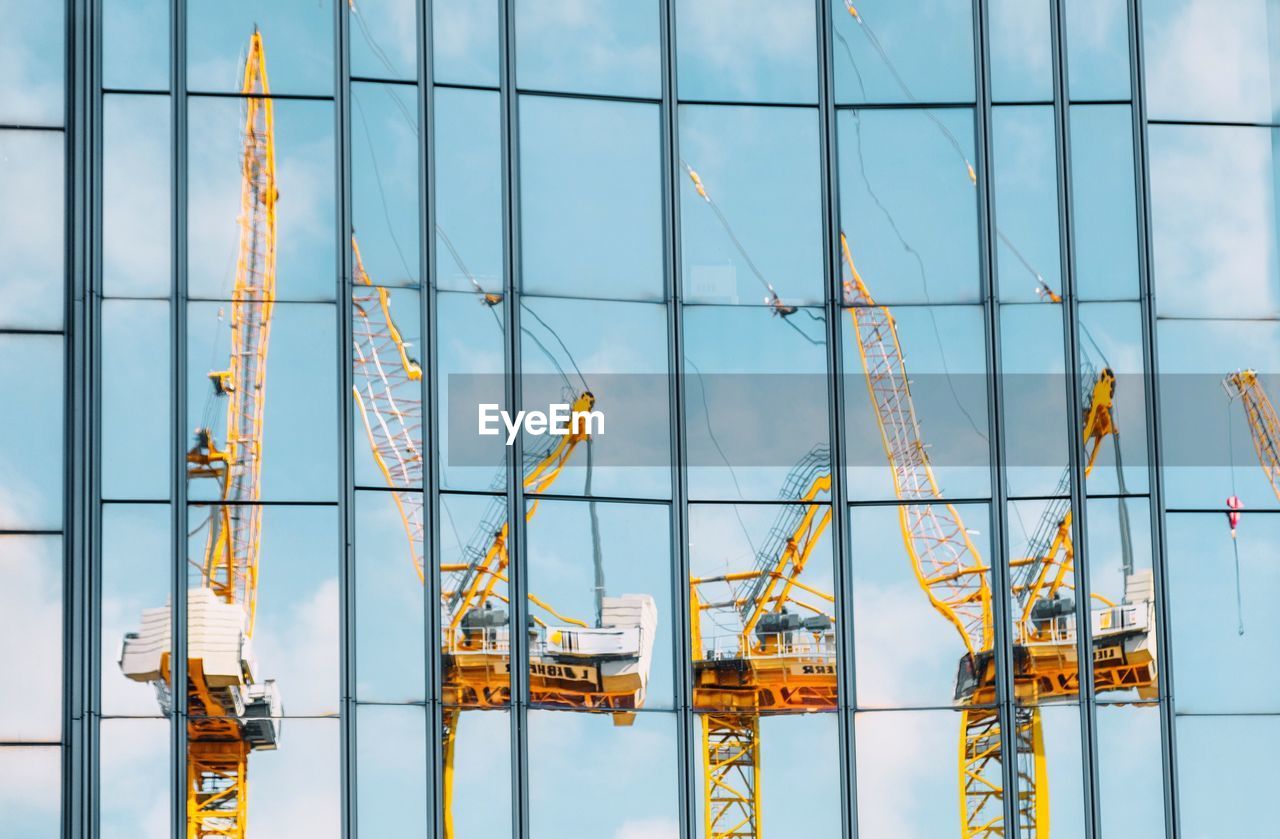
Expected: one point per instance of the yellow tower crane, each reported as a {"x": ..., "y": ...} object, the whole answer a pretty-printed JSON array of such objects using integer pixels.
[
  {"x": 1264, "y": 424},
  {"x": 572, "y": 665},
  {"x": 780, "y": 660},
  {"x": 956, "y": 580},
  {"x": 230, "y": 710}
]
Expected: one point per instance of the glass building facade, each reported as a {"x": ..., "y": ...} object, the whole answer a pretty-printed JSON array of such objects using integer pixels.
[{"x": 789, "y": 591}]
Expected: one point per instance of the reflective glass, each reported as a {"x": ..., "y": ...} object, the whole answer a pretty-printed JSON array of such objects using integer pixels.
[
  {"x": 475, "y": 610},
  {"x": 137, "y": 574},
  {"x": 32, "y": 618},
  {"x": 1021, "y": 50},
  {"x": 588, "y": 47},
  {"x": 390, "y": 628},
  {"x": 470, "y": 364},
  {"x": 1026, "y": 197},
  {"x": 1111, "y": 339},
  {"x": 305, "y": 255},
  {"x": 1061, "y": 786},
  {"x": 907, "y": 773},
  {"x": 1103, "y": 209},
  {"x": 479, "y": 754},
  {"x": 384, "y": 42},
  {"x": 387, "y": 383},
  {"x": 297, "y": 787},
  {"x": 750, "y": 224},
  {"x": 1097, "y": 49},
  {"x": 1213, "y": 800},
  {"x": 135, "y": 44},
  {"x": 891, "y": 52},
  {"x": 753, "y": 51},
  {"x": 297, "y": 37},
  {"x": 601, "y": 573},
  {"x": 31, "y": 790},
  {"x": 1036, "y": 425},
  {"x": 384, "y": 183},
  {"x": 908, "y": 207},
  {"x": 133, "y": 779},
  {"x": 31, "y": 432},
  {"x": 31, "y": 229},
  {"x": 34, "y": 66},
  {"x": 1129, "y": 772},
  {"x": 468, "y": 170},
  {"x": 1126, "y": 661},
  {"x": 1210, "y": 60},
  {"x": 590, "y": 189},
  {"x": 391, "y": 770},
  {"x": 465, "y": 40},
  {"x": 1213, "y": 221},
  {"x": 136, "y": 200},
  {"x": 588, "y": 775},
  {"x": 908, "y": 649},
  {"x": 136, "y": 448}
]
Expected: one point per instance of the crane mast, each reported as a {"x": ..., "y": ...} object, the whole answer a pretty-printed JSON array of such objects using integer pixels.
[
  {"x": 1264, "y": 424},
  {"x": 230, "y": 711}
]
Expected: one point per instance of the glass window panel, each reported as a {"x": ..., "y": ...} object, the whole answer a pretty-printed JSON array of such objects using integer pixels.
[
  {"x": 384, "y": 183},
  {"x": 757, "y": 51},
  {"x": 746, "y": 619},
  {"x": 137, "y": 574},
  {"x": 1098, "y": 49},
  {"x": 760, "y": 168},
  {"x": 31, "y": 432},
  {"x": 1103, "y": 209},
  {"x": 298, "y": 461},
  {"x": 136, "y": 139},
  {"x": 391, "y": 771},
  {"x": 608, "y": 48},
  {"x": 31, "y": 791},
  {"x": 137, "y": 451},
  {"x": 1222, "y": 797},
  {"x": 468, "y": 172},
  {"x": 1211, "y": 61},
  {"x": 481, "y": 793},
  {"x": 475, "y": 611},
  {"x": 390, "y": 609},
  {"x": 135, "y": 44},
  {"x": 586, "y": 774},
  {"x": 31, "y": 616},
  {"x": 465, "y": 39},
  {"x": 1021, "y": 50},
  {"x": 1126, "y": 665},
  {"x": 31, "y": 229},
  {"x": 1035, "y": 401},
  {"x": 891, "y": 52},
  {"x": 297, "y": 37},
  {"x": 618, "y": 353},
  {"x": 1111, "y": 339},
  {"x": 304, "y": 161},
  {"x": 604, "y": 565},
  {"x": 906, "y": 650},
  {"x": 1063, "y": 787},
  {"x": 590, "y": 197},
  {"x": 387, "y": 383},
  {"x": 133, "y": 779},
  {"x": 470, "y": 363},
  {"x": 1223, "y": 624},
  {"x": 294, "y": 626},
  {"x": 789, "y": 748},
  {"x": 384, "y": 43},
  {"x": 1129, "y": 771},
  {"x": 948, "y": 387},
  {"x": 1206, "y": 445},
  {"x": 1213, "y": 221},
  {"x": 33, "y": 44},
  {"x": 907, "y": 204},
  {"x": 907, "y": 773},
  {"x": 755, "y": 398},
  {"x": 1026, "y": 197},
  {"x": 297, "y": 787}
]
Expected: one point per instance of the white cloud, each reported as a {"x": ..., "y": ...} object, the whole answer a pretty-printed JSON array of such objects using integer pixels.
[
  {"x": 738, "y": 40},
  {"x": 300, "y": 651},
  {"x": 648, "y": 829},
  {"x": 31, "y": 621}
]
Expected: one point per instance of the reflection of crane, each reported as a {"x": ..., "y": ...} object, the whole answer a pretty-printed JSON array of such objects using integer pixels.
[
  {"x": 1264, "y": 424},
  {"x": 779, "y": 658},
  {"x": 571, "y": 665},
  {"x": 230, "y": 710},
  {"x": 955, "y": 579}
]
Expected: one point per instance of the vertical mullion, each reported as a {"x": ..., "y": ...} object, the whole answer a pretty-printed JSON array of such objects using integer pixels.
[
  {"x": 178, "y": 488},
  {"x": 686, "y": 725},
  {"x": 516, "y": 534},
  {"x": 346, "y": 461},
  {"x": 998, "y": 561},
  {"x": 1155, "y": 474},
  {"x": 430, "y": 428},
  {"x": 845, "y": 662},
  {"x": 1075, "y": 448}
]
